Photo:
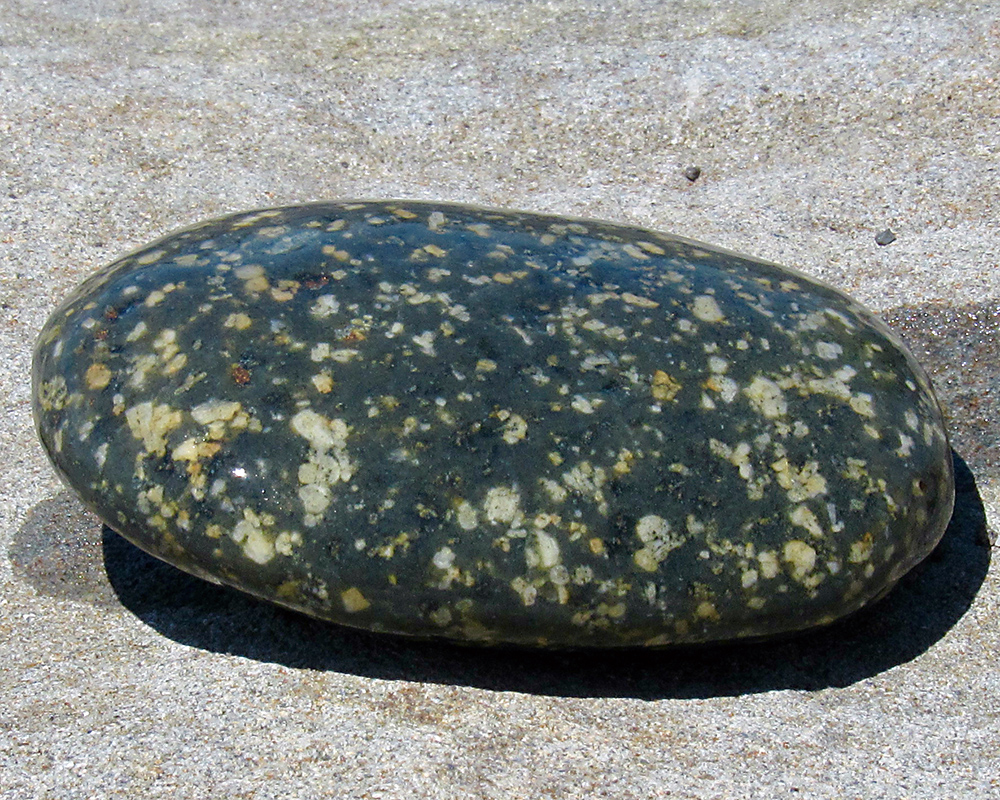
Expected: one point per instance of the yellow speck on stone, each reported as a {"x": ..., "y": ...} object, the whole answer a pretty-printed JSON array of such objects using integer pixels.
[
  {"x": 635, "y": 252},
  {"x": 425, "y": 341},
  {"x": 249, "y": 533},
  {"x": 324, "y": 306},
  {"x": 800, "y": 557},
  {"x": 769, "y": 566},
  {"x": 587, "y": 481},
  {"x": 649, "y": 247},
  {"x": 738, "y": 456},
  {"x": 544, "y": 554},
  {"x": 803, "y": 516},
  {"x": 861, "y": 550},
  {"x": 98, "y": 376},
  {"x": 856, "y": 469},
  {"x": 272, "y": 231},
  {"x": 353, "y": 600},
  {"x": 706, "y": 309},
  {"x": 766, "y": 397},
  {"x": 216, "y": 411},
  {"x": 640, "y": 302},
  {"x": 658, "y": 539},
  {"x": 344, "y": 355},
  {"x": 664, "y": 387},
  {"x": 434, "y": 250},
  {"x": 340, "y": 255},
  {"x": 596, "y": 546},
  {"x": 481, "y": 229},
  {"x": 323, "y": 383},
  {"x": 829, "y": 350},
  {"x": 255, "y": 218},
  {"x": 706, "y": 610},
  {"x": 585, "y": 405},
  {"x": 253, "y": 276},
  {"x": 152, "y": 423},
  {"x": 137, "y": 332},
  {"x": 193, "y": 449},
  {"x": 444, "y": 558},
  {"x": 486, "y": 365},
  {"x": 515, "y": 427},
  {"x": 800, "y": 484},
  {"x": 616, "y": 611},
  {"x": 327, "y": 465},
  {"x": 861, "y": 404},
  {"x": 151, "y": 257},
  {"x": 623, "y": 466},
  {"x": 554, "y": 490},
  {"x": 239, "y": 321}
]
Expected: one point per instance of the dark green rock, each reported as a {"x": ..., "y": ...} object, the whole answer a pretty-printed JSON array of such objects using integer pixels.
[{"x": 495, "y": 426}]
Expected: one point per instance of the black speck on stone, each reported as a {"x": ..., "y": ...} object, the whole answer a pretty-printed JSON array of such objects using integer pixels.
[
  {"x": 692, "y": 173},
  {"x": 885, "y": 238}
]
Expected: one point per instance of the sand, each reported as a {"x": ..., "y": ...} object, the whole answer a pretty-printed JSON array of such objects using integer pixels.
[{"x": 817, "y": 126}]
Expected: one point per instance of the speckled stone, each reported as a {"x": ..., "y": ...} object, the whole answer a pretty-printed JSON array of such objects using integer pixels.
[{"x": 494, "y": 426}]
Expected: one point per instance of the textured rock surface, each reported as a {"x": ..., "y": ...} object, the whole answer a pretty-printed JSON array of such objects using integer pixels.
[{"x": 494, "y": 426}]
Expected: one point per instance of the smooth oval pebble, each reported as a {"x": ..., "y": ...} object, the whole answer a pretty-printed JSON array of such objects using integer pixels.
[{"x": 495, "y": 427}]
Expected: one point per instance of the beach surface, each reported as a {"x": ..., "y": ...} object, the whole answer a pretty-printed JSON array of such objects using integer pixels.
[{"x": 858, "y": 142}]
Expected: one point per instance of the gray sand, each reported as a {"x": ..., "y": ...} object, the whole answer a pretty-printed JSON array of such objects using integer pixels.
[{"x": 816, "y": 125}]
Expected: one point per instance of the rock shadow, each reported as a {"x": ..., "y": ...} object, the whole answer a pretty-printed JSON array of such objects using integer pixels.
[{"x": 61, "y": 553}]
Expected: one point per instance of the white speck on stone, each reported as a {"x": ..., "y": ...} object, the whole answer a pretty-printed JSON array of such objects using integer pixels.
[
  {"x": 466, "y": 516},
  {"x": 828, "y": 350},
  {"x": 502, "y": 504},
  {"x": 658, "y": 541},
  {"x": 444, "y": 558},
  {"x": 707, "y": 309},
  {"x": 583, "y": 405},
  {"x": 425, "y": 341},
  {"x": 800, "y": 557},
  {"x": 766, "y": 397},
  {"x": 324, "y": 306},
  {"x": 545, "y": 552}
]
